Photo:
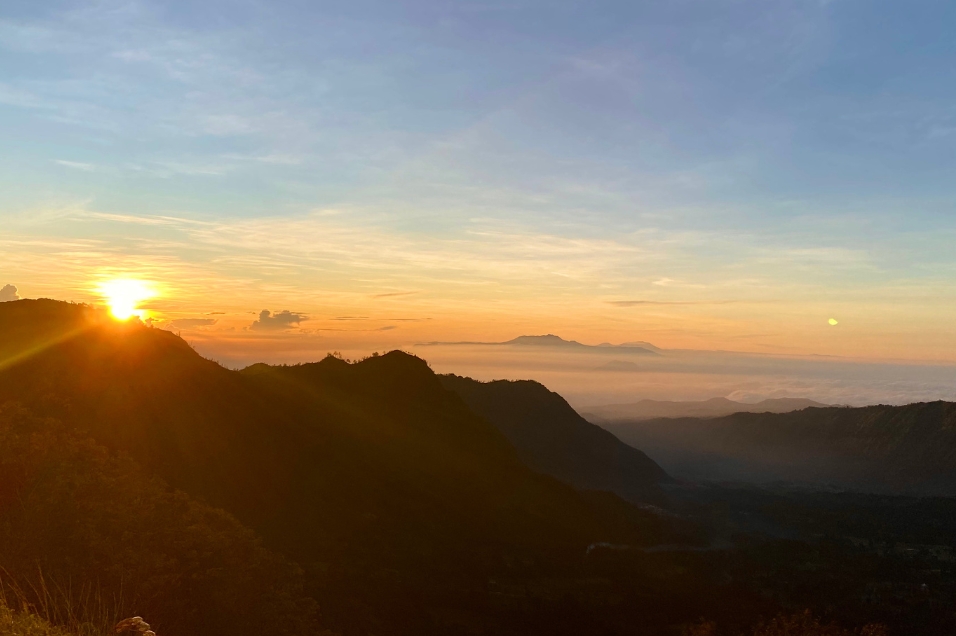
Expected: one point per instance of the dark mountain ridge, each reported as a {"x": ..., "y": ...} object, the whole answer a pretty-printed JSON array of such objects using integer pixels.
[
  {"x": 552, "y": 438},
  {"x": 892, "y": 449}
]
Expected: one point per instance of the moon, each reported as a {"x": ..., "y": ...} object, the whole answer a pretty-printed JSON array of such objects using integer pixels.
[{"x": 833, "y": 322}]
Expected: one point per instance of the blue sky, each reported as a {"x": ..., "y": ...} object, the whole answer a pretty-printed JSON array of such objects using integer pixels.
[{"x": 764, "y": 152}]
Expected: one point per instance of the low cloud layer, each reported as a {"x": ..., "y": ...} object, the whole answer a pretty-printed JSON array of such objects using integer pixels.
[
  {"x": 593, "y": 377},
  {"x": 278, "y": 321},
  {"x": 8, "y": 293}
]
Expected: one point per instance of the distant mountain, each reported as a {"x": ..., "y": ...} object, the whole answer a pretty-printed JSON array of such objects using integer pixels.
[
  {"x": 553, "y": 439},
  {"x": 556, "y": 342},
  {"x": 400, "y": 503},
  {"x": 714, "y": 407},
  {"x": 637, "y": 344},
  {"x": 549, "y": 340},
  {"x": 885, "y": 449}
]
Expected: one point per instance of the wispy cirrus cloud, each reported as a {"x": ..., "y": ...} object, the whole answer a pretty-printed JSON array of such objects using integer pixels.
[
  {"x": 395, "y": 294},
  {"x": 76, "y": 165},
  {"x": 666, "y": 303}
]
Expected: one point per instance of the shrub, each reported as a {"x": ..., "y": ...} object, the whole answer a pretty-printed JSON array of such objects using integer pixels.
[
  {"x": 75, "y": 515},
  {"x": 804, "y": 624},
  {"x": 25, "y": 624}
]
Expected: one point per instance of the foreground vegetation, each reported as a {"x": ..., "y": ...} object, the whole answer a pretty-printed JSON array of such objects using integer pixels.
[
  {"x": 91, "y": 538},
  {"x": 24, "y": 623},
  {"x": 805, "y": 624}
]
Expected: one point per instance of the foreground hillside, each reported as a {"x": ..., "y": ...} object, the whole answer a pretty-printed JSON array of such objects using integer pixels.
[
  {"x": 399, "y": 502},
  {"x": 894, "y": 449},
  {"x": 97, "y": 538}
]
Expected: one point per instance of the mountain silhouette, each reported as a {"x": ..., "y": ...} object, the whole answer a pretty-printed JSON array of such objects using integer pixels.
[
  {"x": 552, "y": 438},
  {"x": 397, "y": 499},
  {"x": 637, "y": 343},
  {"x": 889, "y": 449}
]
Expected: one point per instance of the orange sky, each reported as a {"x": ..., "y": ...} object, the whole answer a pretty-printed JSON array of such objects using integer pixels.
[{"x": 363, "y": 287}]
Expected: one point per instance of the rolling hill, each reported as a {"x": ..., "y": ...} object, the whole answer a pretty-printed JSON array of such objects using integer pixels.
[
  {"x": 890, "y": 449},
  {"x": 714, "y": 407}
]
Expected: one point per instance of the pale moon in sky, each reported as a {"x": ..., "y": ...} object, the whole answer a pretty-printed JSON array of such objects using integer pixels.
[{"x": 833, "y": 321}]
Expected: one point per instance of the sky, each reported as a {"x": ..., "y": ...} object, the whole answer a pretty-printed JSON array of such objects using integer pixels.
[{"x": 296, "y": 177}]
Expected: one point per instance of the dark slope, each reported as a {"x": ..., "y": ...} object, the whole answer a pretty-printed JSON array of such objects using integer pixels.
[
  {"x": 893, "y": 449},
  {"x": 400, "y": 502},
  {"x": 553, "y": 439}
]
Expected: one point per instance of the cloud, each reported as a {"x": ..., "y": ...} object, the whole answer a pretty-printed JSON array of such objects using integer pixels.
[
  {"x": 392, "y": 294},
  {"x": 8, "y": 293},
  {"x": 271, "y": 158},
  {"x": 167, "y": 169},
  {"x": 13, "y": 96},
  {"x": 276, "y": 322},
  {"x": 632, "y": 303},
  {"x": 192, "y": 323},
  {"x": 225, "y": 125},
  {"x": 77, "y": 165}
]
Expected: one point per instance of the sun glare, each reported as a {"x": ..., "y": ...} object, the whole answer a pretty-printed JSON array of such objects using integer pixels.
[{"x": 124, "y": 296}]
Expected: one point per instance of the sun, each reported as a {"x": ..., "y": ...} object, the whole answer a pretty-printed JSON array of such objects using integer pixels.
[{"x": 124, "y": 296}]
